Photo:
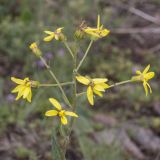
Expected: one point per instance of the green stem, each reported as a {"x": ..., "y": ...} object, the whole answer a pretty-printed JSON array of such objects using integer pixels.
[
  {"x": 75, "y": 83},
  {"x": 69, "y": 49},
  {"x": 57, "y": 81},
  {"x": 80, "y": 94},
  {"x": 56, "y": 85},
  {"x": 74, "y": 94},
  {"x": 120, "y": 83},
  {"x": 88, "y": 48}
]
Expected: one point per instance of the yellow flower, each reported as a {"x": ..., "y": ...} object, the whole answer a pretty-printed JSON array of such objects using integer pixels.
[
  {"x": 98, "y": 32},
  {"x": 144, "y": 77},
  {"x": 59, "y": 111},
  {"x": 96, "y": 85},
  {"x": 57, "y": 35},
  {"x": 35, "y": 49},
  {"x": 24, "y": 88}
]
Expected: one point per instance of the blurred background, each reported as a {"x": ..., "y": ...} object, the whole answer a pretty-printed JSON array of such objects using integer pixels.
[{"x": 125, "y": 124}]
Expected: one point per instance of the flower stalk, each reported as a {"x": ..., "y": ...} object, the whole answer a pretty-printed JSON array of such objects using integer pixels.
[
  {"x": 85, "y": 55},
  {"x": 56, "y": 85},
  {"x": 69, "y": 49},
  {"x": 120, "y": 83}
]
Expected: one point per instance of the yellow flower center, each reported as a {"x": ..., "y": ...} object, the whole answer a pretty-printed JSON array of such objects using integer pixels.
[
  {"x": 92, "y": 84},
  {"x": 61, "y": 113},
  {"x": 142, "y": 77},
  {"x": 27, "y": 83}
]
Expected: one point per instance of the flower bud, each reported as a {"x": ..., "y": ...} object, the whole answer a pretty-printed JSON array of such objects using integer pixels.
[
  {"x": 61, "y": 37},
  {"x": 79, "y": 34},
  {"x": 35, "y": 84},
  {"x": 35, "y": 49}
]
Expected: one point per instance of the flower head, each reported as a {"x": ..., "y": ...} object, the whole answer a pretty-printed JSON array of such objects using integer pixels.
[
  {"x": 57, "y": 35},
  {"x": 95, "y": 85},
  {"x": 59, "y": 111},
  {"x": 35, "y": 49},
  {"x": 24, "y": 88},
  {"x": 144, "y": 76},
  {"x": 97, "y": 32}
]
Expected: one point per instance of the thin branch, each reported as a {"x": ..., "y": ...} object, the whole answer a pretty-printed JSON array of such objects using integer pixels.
[
  {"x": 56, "y": 85},
  {"x": 144, "y": 15},
  {"x": 85, "y": 55},
  {"x": 136, "y": 30},
  {"x": 69, "y": 49},
  {"x": 155, "y": 48}
]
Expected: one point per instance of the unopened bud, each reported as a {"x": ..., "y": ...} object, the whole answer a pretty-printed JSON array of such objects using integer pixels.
[
  {"x": 79, "y": 34},
  {"x": 35, "y": 49},
  {"x": 62, "y": 37},
  {"x": 35, "y": 84}
]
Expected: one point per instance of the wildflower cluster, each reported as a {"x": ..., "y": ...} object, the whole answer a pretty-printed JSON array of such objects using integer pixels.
[{"x": 95, "y": 86}]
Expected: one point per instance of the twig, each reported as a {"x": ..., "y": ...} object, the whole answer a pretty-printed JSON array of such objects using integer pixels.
[
  {"x": 136, "y": 30},
  {"x": 135, "y": 11},
  {"x": 155, "y": 48},
  {"x": 144, "y": 15}
]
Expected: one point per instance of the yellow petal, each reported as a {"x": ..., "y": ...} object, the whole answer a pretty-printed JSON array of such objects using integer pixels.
[
  {"x": 59, "y": 30},
  {"x": 146, "y": 69},
  {"x": 64, "y": 120},
  {"x": 90, "y": 29},
  {"x": 49, "y": 32},
  {"x": 104, "y": 32},
  {"x": 17, "y": 89},
  {"x": 95, "y": 32},
  {"x": 149, "y": 75},
  {"x": 104, "y": 85},
  {"x": 20, "y": 93},
  {"x": 26, "y": 92},
  {"x": 57, "y": 37},
  {"x": 68, "y": 113},
  {"x": 92, "y": 32},
  {"x": 99, "y": 80},
  {"x": 18, "y": 96},
  {"x": 99, "y": 87},
  {"x": 29, "y": 97},
  {"x": 51, "y": 113},
  {"x": 90, "y": 95},
  {"x": 48, "y": 38},
  {"x": 145, "y": 87},
  {"x": 98, "y": 93},
  {"x": 150, "y": 89},
  {"x": 17, "y": 80},
  {"x": 55, "y": 103},
  {"x": 83, "y": 80},
  {"x": 33, "y": 46}
]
